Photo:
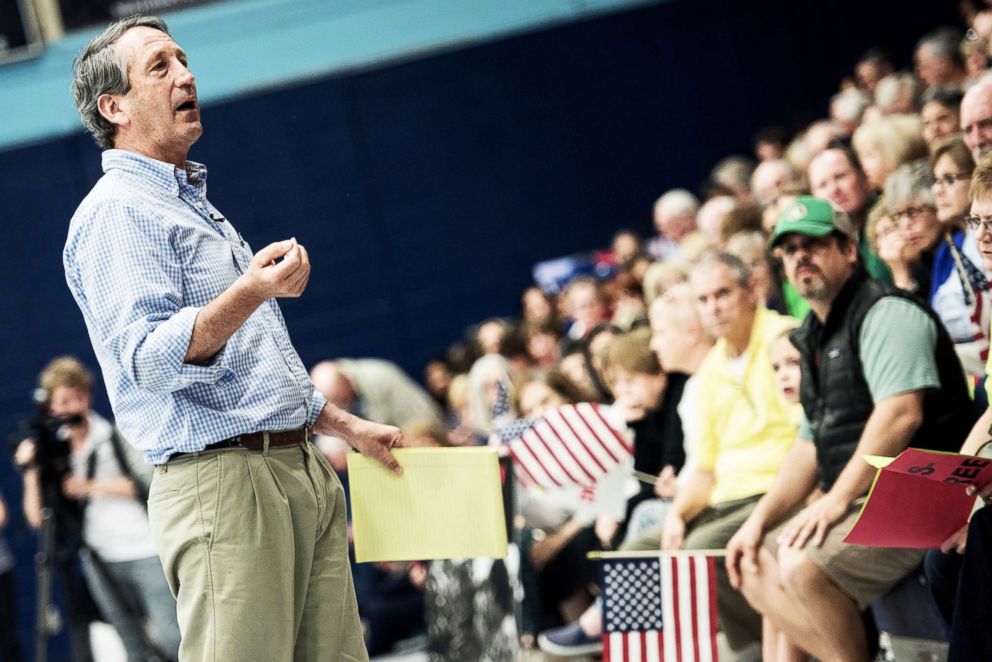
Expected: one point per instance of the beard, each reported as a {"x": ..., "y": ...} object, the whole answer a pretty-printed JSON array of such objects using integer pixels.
[{"x": 812, "y": 286}]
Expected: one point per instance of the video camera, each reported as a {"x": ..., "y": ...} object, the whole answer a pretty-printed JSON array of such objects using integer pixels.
[{"x": 50, "y": 436}]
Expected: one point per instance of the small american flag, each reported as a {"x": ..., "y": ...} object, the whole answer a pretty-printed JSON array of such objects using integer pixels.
[
  {"x": 570, "y": 445},
  {"x": 659, "y": 608}
]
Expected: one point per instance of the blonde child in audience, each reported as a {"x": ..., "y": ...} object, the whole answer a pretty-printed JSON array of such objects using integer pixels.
[{"x": 785, "y": 362}]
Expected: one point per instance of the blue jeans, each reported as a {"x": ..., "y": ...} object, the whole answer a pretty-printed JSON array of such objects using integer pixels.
[{"x": 142, "y": 586}]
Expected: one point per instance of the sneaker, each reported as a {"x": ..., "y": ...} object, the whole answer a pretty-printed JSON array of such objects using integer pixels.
[{"x": 569, "y": 640}]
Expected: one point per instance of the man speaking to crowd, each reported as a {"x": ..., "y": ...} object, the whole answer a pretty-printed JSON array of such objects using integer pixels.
[{"x": 248, "y": 519}]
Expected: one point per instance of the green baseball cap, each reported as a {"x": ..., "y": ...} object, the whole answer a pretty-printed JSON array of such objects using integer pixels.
[{"x": 814, "y": 217}]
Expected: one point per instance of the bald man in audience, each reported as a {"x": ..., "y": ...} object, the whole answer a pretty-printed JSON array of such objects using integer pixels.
[
  {"x": 976, "y": 118},
  {"x": 770, "y": 178},
  {"x": 378, "y": 389}
]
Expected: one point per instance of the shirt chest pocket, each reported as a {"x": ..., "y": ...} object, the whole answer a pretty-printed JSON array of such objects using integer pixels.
[{"x": 209, "y": 267}]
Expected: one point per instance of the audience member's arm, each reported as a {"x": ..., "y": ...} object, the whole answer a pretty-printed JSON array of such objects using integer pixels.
[
  {"x": 692, "y": 498},
  {"x": 793, "y": 483},
  {"x": 31, "y": 500},
  {"x": 888, "y": 432},
  {"x": 980, "y": 433}
]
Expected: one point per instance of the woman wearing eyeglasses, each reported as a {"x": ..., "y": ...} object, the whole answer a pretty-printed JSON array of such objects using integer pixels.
[{"x": 938, "y": 259}]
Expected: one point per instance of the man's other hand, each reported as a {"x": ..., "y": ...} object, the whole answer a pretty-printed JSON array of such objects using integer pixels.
[
  {"x": 269, "y": 276},
  {"x": 742, "y": 551},
  {"x": 377, "y": 440}
]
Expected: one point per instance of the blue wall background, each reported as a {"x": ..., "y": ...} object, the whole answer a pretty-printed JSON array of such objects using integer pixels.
[{"x": 425, "y": 191}]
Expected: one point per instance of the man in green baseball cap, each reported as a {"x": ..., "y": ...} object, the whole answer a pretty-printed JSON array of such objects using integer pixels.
[
  {"x": 814, "y": 217},
  {"x": 879, "y": 374}
]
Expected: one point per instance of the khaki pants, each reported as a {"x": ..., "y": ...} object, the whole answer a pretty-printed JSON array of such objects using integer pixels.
[
  {"x": 255, "y": 550},
  {"x": 712, "y": 529}
]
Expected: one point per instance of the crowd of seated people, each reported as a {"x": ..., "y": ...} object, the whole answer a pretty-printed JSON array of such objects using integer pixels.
[{"x": 866, "y": 235}]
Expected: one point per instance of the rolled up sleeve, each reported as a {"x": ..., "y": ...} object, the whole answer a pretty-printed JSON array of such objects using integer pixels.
[{"x": 122, "y": 271}]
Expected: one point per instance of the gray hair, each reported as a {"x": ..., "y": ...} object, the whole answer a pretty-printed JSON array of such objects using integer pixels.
[
  {"x": 100, "y": 70},
  {"x": 890, "y": 88},
  {"x": 944, "y": 42},
  {"x": 740, "y": 271},
  {"x": 909, "y": 184}
]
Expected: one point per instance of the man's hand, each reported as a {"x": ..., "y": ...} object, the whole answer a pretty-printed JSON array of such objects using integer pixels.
[
  {"x": 376, "y": 440},
  {"x": 368, "y": 438},
  {"x": 813, "y": 522},
  {"x": 267, "y": 278},
  {"x": 742, "y": 551},
  {"x": 666, "y": 486},
  {"x": 673, "y": 532},
  {"x": 957, "y": 541}
]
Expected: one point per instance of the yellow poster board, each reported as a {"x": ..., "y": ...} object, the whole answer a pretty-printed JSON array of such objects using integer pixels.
[{"x": 447, "y": 504}]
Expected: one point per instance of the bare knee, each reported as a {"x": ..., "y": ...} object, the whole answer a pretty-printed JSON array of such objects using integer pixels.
[
  {"x": 798, "y": 574},
  {"x": 758, "y": 584}
]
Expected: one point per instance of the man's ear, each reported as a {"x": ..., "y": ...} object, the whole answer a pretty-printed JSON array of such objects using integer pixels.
[
  {"x": 110, "y": 108},
  {"x": 852, "y": 250}
]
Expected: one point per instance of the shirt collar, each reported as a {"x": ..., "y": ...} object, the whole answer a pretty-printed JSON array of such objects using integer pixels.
[{"x": 163, "y": 174}]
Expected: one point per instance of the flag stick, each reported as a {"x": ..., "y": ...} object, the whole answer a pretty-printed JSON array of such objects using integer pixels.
[{"x": 652, "y": 554}]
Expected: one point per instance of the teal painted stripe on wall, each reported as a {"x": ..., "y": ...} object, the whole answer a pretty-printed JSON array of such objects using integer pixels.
[{"x": 240, "y": 46}]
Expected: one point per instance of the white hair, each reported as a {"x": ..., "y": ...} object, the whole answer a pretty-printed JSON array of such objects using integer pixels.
[
  {"x": 677, "y": 201},
  {"x": 849, "y": 105}
]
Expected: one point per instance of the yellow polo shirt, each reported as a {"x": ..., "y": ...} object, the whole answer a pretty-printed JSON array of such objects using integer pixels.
[{"x": 745, "y": 425}]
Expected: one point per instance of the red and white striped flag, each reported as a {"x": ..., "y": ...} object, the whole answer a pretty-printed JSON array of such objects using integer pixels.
[
  {"x": 659, "y": 608},
  {"x": 570, "y": 445}
]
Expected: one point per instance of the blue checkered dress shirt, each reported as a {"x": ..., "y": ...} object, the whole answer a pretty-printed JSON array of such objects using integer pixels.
[{"x": 145, "y": 252}]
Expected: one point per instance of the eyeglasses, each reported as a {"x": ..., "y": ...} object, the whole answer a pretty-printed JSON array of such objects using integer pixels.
[
  {"x": 950, "y": 180},
  {"x": 912, "y": 214},
  {"x": 974, "y": 223},
  {"x": 809, "y": 244}
]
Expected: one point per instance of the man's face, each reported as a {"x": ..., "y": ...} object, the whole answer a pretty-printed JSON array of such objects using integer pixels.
[
  {"x": 817, "y": 266},
  {"x": 68, "y": 401},
  {"x": 674, "y": 225},
  {"x": 160, "y": 115},
  {"x": 725, "y": 307},
  {"x": 976, "y": 120},
  {"x": 832, "y": 177},
  {"x": 932, "y": 68}
]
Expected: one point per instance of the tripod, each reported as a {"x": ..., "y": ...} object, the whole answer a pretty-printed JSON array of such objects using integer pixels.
[{"x": 56, "y": 522}]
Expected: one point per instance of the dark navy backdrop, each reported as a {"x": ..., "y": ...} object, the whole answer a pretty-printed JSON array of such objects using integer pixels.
[{"x": 425, "y": 191}]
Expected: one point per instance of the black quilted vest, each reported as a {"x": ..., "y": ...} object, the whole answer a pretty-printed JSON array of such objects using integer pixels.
[{"x": 835, "y": 395}]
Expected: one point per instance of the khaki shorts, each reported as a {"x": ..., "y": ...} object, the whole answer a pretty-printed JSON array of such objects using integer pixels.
[{"x": 864, "y": 574}]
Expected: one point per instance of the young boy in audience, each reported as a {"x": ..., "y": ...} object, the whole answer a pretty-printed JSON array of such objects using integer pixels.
[{"x": 648, "y": 400}]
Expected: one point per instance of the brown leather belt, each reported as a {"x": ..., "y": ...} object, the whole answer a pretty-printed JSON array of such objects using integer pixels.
[{"x": 255, "y": 441}]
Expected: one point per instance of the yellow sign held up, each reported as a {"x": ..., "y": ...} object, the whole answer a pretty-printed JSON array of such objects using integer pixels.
[{"x": 447, "y": 504}]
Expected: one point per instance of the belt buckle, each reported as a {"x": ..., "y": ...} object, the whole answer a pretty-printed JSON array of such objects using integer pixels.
[{"x": 235, "y": 442}]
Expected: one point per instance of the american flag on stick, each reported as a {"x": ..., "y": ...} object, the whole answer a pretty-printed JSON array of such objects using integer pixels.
[
  {"x": 660, "y": 607},
  {"x": 570, "y": 445}
]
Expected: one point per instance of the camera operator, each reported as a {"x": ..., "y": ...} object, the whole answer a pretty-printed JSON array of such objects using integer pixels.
[{"x": 108, "y": 480}]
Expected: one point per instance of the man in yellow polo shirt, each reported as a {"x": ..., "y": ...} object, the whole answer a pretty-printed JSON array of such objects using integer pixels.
[{"x": 746, "y": 428}]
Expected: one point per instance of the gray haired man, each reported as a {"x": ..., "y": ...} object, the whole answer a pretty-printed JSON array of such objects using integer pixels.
[{"x": 248, "y": 519}]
